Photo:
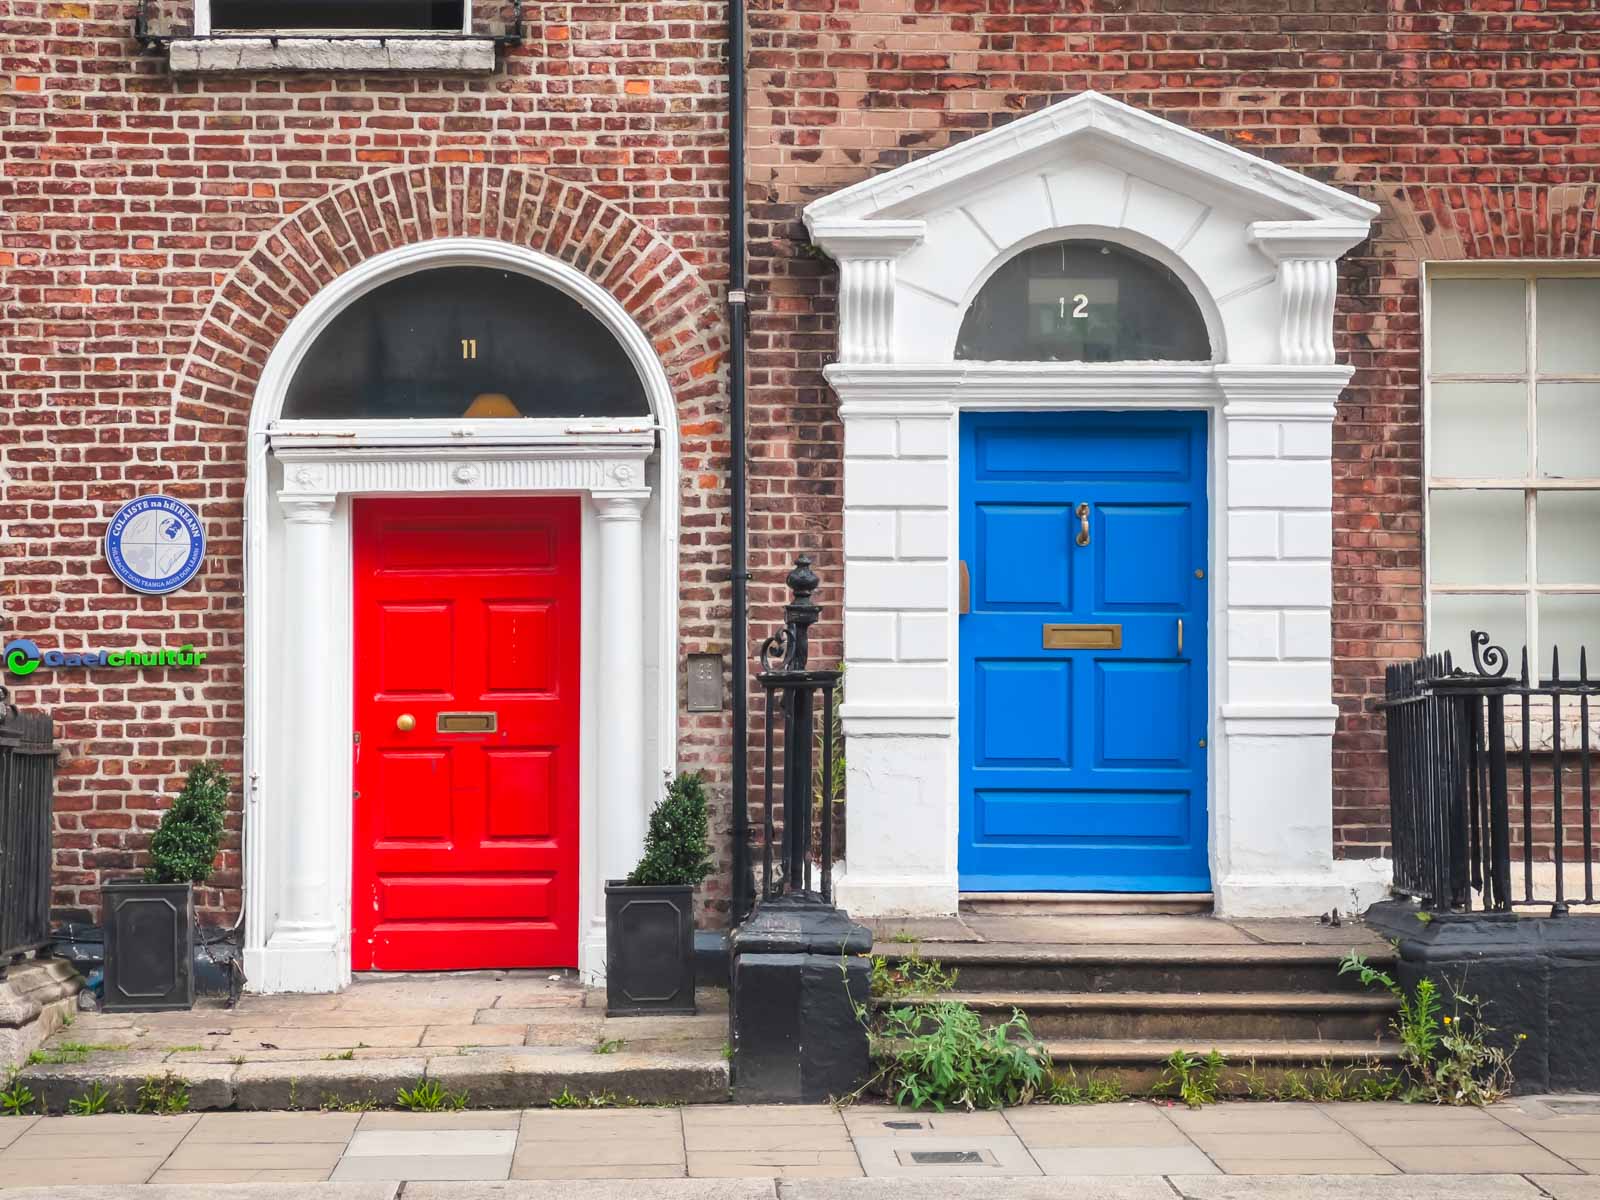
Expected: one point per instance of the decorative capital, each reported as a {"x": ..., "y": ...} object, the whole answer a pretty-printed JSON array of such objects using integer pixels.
[
  {"x": 621, "y": 506},
  {"x": 866, "y": 252},
  {"x": 1307, "y": 254},
  {"x": 307, "y": 508}
]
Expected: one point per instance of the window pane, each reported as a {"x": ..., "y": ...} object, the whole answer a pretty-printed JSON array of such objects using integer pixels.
[
  {"x": 1569, "y": 429},
  {"x": 1453, "y": 617},
  {"x": 1569, "y": 325},
  {"x": 439, "y": 343},
  {"x": 1083, "y": 301},
  {"x": 1477, "y": 537},
  {"x": 1477, "y": 325},
  {"x": 1569, "y": 537},
  {"x": 1569, "y": 622},
  {"x": 436, "y": 15},
  {"x": 1479, "y": 430}
]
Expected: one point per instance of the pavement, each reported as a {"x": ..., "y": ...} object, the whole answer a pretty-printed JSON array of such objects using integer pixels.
[
  {"x": 505, "y": 1038},
  {"x": 1526, "y": 1148}
]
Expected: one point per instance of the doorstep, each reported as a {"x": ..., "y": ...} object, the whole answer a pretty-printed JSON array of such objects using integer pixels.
[{"x": 505, "y": 1039}]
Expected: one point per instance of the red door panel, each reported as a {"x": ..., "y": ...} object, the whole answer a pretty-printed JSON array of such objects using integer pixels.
[{"x": 466, "y": 841}]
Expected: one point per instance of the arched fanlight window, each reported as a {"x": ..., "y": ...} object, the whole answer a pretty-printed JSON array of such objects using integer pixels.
[
  {"x": 1083, "y": 301},
  {"x": 465, "y": 342}
]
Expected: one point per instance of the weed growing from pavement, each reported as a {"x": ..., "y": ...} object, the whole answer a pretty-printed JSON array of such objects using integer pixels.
[
  {"x": 1065, "y": 1087},
  {"x": 910, "y": 976},
  {"x": 75, "y": 1052},
  {"x": 1196, "y": 1079},
  {"x": 332, "y": 1103},
  {"x": 609, "y": 1045},
  {"x": 567, "y": 1098},
  {"x": 168, "y": 1093},
  {"x": 429, "y": 1095},
  {"x": 346, "y": 1056},
  {"x": 92, "y": 1103},
  {"x": 16, "y": 1098},
  {"x": 1446, "y": 1057}
]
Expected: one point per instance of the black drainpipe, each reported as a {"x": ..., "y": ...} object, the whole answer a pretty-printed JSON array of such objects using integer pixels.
[{"x": 738, "y": 324}]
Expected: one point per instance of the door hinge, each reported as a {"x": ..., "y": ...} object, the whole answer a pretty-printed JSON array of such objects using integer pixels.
[
  {"x": 356, "y": 737},
  {"x": 964, "y": 591}
]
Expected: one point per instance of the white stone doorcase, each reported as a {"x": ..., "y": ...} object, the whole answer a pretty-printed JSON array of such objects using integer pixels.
[
  {"x": 302, "y": 478},
  {"x": 1257, "y": 245}
]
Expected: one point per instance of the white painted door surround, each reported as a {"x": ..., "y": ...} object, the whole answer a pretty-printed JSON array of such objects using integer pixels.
[
  {"x": 1257, "y": 245},
  {"x": 298, "y": 715}
]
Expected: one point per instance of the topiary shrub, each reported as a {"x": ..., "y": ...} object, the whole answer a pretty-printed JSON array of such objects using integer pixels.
[
  {"x": 675, "y": 847},
  {"x": 184, "y": 848}
]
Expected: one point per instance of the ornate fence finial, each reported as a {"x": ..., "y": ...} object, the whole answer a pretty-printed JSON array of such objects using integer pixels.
[
  {"x": 789, "y": 648},
  {"x": 1487, "y": 659}
]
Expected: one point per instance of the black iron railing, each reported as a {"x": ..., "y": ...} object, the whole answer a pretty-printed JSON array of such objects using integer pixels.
[
  {"x": 27, "y": 774},
  {"x": 807, "y": 773},
  {"x": 1487, "y": 770}
]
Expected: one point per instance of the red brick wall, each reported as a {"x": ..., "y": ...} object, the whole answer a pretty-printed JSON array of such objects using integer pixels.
[
  {"x": 156, "y": 235},
  {"x": 136, "y": 208},
  {"x": 1475, "y": 124}
]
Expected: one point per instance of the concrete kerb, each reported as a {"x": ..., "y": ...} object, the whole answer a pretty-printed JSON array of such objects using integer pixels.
[
  {"x": 211, "y": 1085},
  {"x": 512, "y": 1078}
]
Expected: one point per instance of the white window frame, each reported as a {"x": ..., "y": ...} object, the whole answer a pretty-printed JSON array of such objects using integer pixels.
[
  {"x": 1530, "y": 483},
  {"x": 202, "y": 27}
]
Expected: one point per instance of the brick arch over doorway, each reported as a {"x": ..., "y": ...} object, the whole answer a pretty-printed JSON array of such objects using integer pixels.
[{"x": 658, "y": 287}]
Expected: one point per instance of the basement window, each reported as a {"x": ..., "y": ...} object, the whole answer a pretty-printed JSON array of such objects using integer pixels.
[
  {"x": 245, "y": 36},
  {"x": 344, "y": 16}
]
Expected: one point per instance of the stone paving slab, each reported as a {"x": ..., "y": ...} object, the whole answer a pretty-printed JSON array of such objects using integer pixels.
[{"x": 1134, "y": 1140}]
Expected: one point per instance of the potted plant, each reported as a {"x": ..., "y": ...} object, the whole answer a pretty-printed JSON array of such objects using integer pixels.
[
  {"x": 149, "y": 923},
  {"x": 650, "y": 914}
]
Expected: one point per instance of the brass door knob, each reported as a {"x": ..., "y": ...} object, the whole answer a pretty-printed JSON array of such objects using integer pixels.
[{"x": 406, "y": 723}]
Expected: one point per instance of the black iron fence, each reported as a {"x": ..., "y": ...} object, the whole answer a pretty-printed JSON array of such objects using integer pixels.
[
  {"x": 1491, "y": 787},
  {"x": 27, "y": 774},
  {"x": 798, "y": 765}
]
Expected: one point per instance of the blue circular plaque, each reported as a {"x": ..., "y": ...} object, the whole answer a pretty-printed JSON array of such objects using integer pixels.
[{"x": 155, "y": 544}]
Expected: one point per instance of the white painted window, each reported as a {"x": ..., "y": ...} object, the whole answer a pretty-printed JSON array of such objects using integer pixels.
[{"x": 1512, "y": 432}]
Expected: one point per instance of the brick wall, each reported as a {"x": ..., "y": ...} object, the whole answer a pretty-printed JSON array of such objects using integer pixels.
[
  {"x": 1475, "y": 124},
  {"x": 156, "y": 232}
]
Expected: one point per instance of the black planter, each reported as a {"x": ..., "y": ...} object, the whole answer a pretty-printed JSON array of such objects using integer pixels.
[
  {"x": 149, "y": 946},
  {"x": 649, "y": 949}
]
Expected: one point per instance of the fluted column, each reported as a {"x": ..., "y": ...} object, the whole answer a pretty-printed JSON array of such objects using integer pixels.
[
  {"x": 305, "y": 920},
  {"x": 623, "y": 798}
]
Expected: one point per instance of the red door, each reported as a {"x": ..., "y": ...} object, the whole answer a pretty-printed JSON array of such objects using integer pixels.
[{"x": 466, "y": 717}]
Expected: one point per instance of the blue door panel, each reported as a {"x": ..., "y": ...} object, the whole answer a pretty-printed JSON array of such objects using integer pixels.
[
  {"x": 1100, "y": 447},
  {"x": 1084, "y": 769},
  {"x": 1011, "y": 531}
]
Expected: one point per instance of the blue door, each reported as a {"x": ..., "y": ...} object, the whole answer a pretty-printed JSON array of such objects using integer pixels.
[{"x": 1083, "y": 652}]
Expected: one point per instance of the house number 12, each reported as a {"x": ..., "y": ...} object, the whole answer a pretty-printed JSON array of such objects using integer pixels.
[{"x": 1080, "y": 307}]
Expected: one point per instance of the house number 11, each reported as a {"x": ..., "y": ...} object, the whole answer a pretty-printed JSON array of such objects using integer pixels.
[
  {"x": 1080, "y": 307},
  {"x": 469, "y": 347}
]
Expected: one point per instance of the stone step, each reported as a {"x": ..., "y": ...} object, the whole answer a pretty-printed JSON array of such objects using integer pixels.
[
  {"x": 1033, "y": 967},
  {"x": 500, "y": 1077},
  {"x": 1181, "y": 1016},
  {"x": 1086, "y": 904},
  {"x": 1250, "y": 1065}
]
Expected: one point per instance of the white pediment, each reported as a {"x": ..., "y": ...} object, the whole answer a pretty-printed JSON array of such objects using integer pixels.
[{"x": 1254, "y": 241}]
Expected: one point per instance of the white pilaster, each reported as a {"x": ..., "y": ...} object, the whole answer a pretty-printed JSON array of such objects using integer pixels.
[
  {"x": 623, "y": 798},
  {"x": 303, "y": 953},
  {"x": 1272, "y": 824}
]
